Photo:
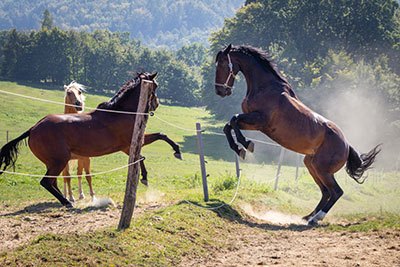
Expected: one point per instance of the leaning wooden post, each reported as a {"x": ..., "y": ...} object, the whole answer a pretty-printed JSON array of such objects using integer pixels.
[
  {"x": 202, "y": 161},
  {"x": 134, "y": 155},
  {"x": 278, "y": 172}
]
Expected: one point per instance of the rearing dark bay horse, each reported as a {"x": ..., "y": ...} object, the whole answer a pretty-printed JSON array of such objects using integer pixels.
[
  {"x": 56, "y": 139},
  {"x": 271, "y": 106}
]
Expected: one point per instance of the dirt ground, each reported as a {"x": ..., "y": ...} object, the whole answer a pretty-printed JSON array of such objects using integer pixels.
[
  {"x": 311, "y": 247},
  {"x": 18, "y": 227},
  {"x": 255, "y": 244}
]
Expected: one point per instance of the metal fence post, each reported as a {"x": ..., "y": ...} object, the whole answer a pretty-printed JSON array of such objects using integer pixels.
[
  {"x": 202, "y": 161},
  {"x": 278, "y": 172}
]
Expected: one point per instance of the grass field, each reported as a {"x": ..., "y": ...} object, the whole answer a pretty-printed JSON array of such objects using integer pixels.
[{"x": 179, "y": 232}]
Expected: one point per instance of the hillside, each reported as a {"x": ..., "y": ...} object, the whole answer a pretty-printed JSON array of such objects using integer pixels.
[
  {"x": 258, "y": 227},
  {"x": 157, "y": 22}
]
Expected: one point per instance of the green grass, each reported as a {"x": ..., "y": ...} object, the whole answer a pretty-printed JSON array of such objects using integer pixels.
[
  {"x": 158, "y": 238},
  {"x": 162, "y": 237}
]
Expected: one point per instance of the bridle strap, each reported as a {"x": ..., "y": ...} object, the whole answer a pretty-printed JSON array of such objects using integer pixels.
[{"x": 231, "y": 74}]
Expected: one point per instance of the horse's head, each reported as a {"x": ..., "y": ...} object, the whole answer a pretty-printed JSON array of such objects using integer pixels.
[
  {"x": 149, "y": 78},
  {"x": 74, "y": 95},
  {"x": 225, "y": 72}
]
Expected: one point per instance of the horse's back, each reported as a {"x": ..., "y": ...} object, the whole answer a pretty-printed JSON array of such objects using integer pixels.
[
  {"x": 79, "y": 134},
  {"x": 299, "y": 128}
]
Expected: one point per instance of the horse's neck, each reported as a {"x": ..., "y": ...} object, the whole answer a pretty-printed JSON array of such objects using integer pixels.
[
  {"x": 68, "y": 110},
  {"x": 258, "y": 78}
]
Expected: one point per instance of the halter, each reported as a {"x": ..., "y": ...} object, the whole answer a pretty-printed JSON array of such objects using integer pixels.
[{"x": 230, "y": 65}]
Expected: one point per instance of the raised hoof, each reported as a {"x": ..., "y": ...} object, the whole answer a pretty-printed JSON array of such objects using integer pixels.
[
  {"x": 242, "y": 153},
  {"x": 81, "y": 196},
  {"x": 178, "y": 155},
  {"x": 143, "y": 181},
  {"x": 250, "y": 147}
]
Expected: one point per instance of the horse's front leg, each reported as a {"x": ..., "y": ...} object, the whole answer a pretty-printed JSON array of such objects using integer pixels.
[
  {"x": 228, "y": 133},
  {"x": 246, "y": 121},
  {"x": 150, "y": 138},
  {"x": 143, "y": 171}
]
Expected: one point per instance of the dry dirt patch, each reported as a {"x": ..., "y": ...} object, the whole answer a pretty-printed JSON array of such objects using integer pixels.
[
  {"x": 18, "y": 227},
  {"x": 302, "y": 246}
]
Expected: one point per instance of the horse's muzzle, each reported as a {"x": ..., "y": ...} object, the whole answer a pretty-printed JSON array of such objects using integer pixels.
[{"x": 223, "y": 91}]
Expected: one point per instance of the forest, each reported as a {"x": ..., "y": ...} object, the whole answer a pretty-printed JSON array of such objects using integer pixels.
[
  {"x": 158, "y": 23},
  {"x": 341, "y": 50}
]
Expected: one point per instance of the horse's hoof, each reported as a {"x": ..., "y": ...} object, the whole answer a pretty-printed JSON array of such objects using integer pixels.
[
  {"x": 69, "y": 205},
  {"x": 81, "y": 196},
  {"x": 178, "y": 155},
  {"x": 143, "y": 181},
  {"x": 72, "y": 199},
  {"x": 312, "y": 223},
  {"x": 242, "y": 153},
  {"x": 250, "y": 147}
]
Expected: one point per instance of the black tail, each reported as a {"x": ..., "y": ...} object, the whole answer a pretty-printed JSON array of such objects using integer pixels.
[
  {"x": 358, "y": 164},
  {"x": 9, "y": 152}
]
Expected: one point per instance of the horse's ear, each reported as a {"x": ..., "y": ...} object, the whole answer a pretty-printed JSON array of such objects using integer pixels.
[
  {"x": 65, "y": 87},
  {"x": 227, "y": 49},
  {"x": 153, "y": 75}
]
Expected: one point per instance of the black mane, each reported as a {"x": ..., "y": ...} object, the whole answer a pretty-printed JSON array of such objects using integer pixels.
[
  {"x": 263, "y": 58},
  {"x": 113, "y": 103}
]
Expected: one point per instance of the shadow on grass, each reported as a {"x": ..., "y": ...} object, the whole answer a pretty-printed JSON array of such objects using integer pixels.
[
  {"x": 48, "y": 207},
  {"x": 227, "y": 212}
]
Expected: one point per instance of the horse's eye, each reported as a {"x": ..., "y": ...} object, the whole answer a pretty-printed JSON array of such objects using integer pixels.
[{"x": 79, "y": 92}]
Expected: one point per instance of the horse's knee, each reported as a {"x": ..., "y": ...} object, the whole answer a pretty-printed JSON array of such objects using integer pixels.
[
  {"x": 46, "y": 183},
  {"x": 227, "y": 128},
  {"x": 234, "y": 120}
]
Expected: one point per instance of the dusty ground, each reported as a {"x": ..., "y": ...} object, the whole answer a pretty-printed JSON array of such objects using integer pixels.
[
  {"x": 253, "y": 244},
  {"x": 312, "y": 247},
  {"x": 18, "y": 227}
]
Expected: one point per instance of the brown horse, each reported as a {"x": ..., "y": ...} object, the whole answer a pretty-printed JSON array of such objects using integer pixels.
[
  {"x": 271, "y": 106},
  {"x": 56, "y": 139},
  {"x": 75, "y": 103}
]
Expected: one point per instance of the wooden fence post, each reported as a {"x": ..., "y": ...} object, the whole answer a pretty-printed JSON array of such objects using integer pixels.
[
  {"x": 202, "y": 161},
  {"x": 134, "y": 155},
  {"x": 278, "y": 172}
]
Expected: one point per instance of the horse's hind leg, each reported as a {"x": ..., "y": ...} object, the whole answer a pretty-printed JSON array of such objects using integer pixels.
[
  {"x": 325, "y": 192},
  {"x": 321, "y": 166},
  {"x": 48, "y": 183}
]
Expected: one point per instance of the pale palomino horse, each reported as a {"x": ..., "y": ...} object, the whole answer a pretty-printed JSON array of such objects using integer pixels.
[{"x": 75, "y": 103}]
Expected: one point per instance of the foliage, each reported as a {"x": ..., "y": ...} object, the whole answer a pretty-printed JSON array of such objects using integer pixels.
[
  {"x": 323, "y": 48},
  {"x": 163, "y": 23},
  {"x": 101, "y": 60}
]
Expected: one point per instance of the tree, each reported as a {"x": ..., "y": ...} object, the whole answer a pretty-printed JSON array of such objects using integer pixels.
[{"x": 47, "y": 22}]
